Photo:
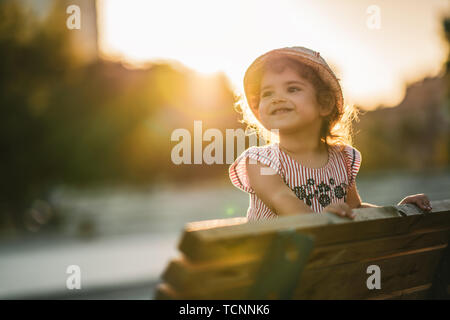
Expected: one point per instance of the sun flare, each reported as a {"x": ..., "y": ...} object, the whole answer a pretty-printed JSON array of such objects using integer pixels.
[{"x": 211, "y": 36}]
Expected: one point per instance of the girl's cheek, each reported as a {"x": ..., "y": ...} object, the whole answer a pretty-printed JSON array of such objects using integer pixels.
[{"x": 262, "y": 108}]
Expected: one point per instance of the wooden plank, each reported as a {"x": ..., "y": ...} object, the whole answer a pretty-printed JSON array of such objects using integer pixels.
[
  {"x": 165, "y": 292},
  {"x": 367, "y": 250},
  {"x": 416, "y": 293},
  {"x": 441, "y": 205},
  {"x": 184, "y": 274},
  {"x": 250, "y": 237},
  {"x": 441, "y": 282},
  {"x": 240, "y": 292},
  {"x": 247, "y": 238},
  {"x": 348, "y": 281},
  {"x": 215, "y": 223}
]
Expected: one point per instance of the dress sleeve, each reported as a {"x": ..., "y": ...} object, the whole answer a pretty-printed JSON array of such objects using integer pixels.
[
  {"x": 353, "y": 162},
  {"x": 238, "y": 170}
]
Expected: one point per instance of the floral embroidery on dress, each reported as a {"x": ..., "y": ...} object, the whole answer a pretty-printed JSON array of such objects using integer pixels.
[
  {"x": 300, "y": 192},
  {"x": 339, "y": 192},
  {"x": 321, "y": 191},
  {"x": 324, "y": 200}
]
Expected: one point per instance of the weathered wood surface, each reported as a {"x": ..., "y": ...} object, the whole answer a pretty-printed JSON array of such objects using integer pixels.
[
  {"x": 347, "y": 281},
  {"x": 221, "y": 258},
  {"x": 199, "y": 244},
  {"x": 186, "y": 274}
]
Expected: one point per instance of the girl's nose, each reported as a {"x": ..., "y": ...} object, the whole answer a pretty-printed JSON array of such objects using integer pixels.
[{"x": 278, "y": 99}]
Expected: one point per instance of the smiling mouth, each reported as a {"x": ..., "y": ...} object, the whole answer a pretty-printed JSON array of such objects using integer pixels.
[{"x": 280, "y": 111}]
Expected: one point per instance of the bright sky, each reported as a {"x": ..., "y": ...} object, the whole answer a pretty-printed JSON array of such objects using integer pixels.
[{"x": 374, "y": 65}]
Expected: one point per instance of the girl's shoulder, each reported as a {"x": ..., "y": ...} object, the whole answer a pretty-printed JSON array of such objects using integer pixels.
[
  {"x": 352, "y": 158},
  {"x": 269, "y": 151},
  {"x": 350, "y": 153},
  {"x": 267, "y": 155}
]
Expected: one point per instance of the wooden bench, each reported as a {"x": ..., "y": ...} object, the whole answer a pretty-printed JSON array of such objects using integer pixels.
[{"x": 315, "y": 256}]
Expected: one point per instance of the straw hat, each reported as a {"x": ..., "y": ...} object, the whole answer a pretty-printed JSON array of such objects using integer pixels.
[{"x": 301, "y": 54}]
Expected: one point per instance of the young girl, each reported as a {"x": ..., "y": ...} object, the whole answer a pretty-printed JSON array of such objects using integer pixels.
[{"x": 312, "y": 167}]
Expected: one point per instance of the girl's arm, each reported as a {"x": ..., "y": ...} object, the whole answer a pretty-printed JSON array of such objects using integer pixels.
[
  {"x": 354, "y": 200},
  {"x": 271, "y": 189},
  {"x": 421, "y": 200}
]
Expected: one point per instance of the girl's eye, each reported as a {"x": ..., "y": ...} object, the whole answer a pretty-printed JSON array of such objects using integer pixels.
[
  {"x": 293, "y": 89},
  {"x": 266, "y": 94}
]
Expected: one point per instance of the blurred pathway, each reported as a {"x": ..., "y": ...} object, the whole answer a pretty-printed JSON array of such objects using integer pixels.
[{"x": 114, "y": 263}]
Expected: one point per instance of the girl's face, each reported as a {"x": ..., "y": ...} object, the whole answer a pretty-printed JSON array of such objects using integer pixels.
[{"x": 287, "y": 102}]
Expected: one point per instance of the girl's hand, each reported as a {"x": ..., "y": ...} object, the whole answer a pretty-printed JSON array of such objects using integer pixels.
[
  {"x": 419, "y": 200},
  {"x": 340, "y": 209}
]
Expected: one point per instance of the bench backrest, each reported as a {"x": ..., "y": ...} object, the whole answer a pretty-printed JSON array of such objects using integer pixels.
[{"x": 315, "y": 256}]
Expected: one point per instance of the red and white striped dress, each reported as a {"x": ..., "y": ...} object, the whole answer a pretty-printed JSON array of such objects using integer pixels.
[{"x": 317, "y": 187}]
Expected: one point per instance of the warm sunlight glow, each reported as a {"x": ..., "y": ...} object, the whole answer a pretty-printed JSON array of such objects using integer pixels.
[{"x": 374, "y": 65}]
